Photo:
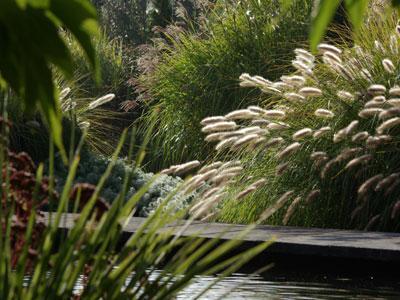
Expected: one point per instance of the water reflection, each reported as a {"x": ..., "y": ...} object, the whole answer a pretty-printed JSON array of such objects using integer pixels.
[
  {"x": 243, "y": 286},
  {"x": 256, "y": 287}
]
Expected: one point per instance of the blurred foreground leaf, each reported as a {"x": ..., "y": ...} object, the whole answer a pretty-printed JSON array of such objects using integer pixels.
[
  {"x": 30, "y": 46},
  {"x": 325, "y": 10}
]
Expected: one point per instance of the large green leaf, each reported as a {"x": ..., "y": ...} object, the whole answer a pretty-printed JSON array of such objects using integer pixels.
[
  {"x": 325, "y": 11},
  {"x": 80, "y": 19},
  {"x": 31, "y": 45},
  {"x": 356, "y": 10}
]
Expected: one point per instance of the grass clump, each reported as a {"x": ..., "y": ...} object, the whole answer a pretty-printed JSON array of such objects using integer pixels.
[
  {"x": 326, "y": 140},
  {"x": 198, "y": 75},
  {"x": 92, "y": 260}
]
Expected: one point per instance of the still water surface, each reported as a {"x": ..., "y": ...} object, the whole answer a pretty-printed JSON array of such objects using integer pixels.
[{"x": 256, "y": 287}]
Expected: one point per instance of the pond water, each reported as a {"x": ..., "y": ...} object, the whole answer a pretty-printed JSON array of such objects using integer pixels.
[
  {"x": 257, "y": 287},
  {"x": 273, "y": 286}
]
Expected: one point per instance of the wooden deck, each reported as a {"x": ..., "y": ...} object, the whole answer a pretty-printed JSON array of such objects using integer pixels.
[{"x": 310, "y": 242}]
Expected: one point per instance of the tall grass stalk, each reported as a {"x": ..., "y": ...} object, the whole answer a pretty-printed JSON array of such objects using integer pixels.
[{"x": 92, "y": 251}]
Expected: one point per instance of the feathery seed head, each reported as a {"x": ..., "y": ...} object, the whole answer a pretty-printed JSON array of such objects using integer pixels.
[
  {"x": 388, "y": 66},
  {"x": 394, "y": 47},
  {"x": 348, "y": 153},
  {"x": 230, "y": 164},
  {"x": 389, "y": 113},
  {"x": 317, "y": 155},
  {"x": 241, "y": 114},
  {"x": 366, "y": 75},
  {"x": 279, "y": 204},
  {"x": 245, "y": 76},
  {"x": 211, "y": 120},
  {"x": 282, "y": 86},
  {"x": 289, "y": 150},
  {"x": 361, "y": 160},
  {"x": 262, "y": 80},
  {"x": 312, "y": 196},
  {"x": 278, "y": 126},
  {"x": 360, "y": 136},
  {"x": 209, "y": 167},
  {"x": 372, "y": 103},
  {"x": 184, "y": 168},
  {"x": 64, "y": 93},
  {"x": 252, "y": 129},
  {"x": 344, "y": 95},
  {"x": 302, "y": 133},
  {"x": 394, "y": 91},
  {"x": 324, "y": 113},
  {"x": 377, "y": 89},
  {"x": 213, "y": 137},
  {"x": 369, "y": 112},
  {"x": 386, "y": 182},
  {"x": 387, "y": 125},
  {"x": 84, "y": 125},
  {"x": 351, "y": 127},
  {"x": 395, "y": 210},
  {"x": 304, "y": 53},
  {"x": 291, "y": 210},
  {"x": 260, "y": 122},
  {"x": 259, "y": 183},
  {"x": 379, "y": 99},
  {"x": 395, "y": 102},
  {"x": 274, "y": 142},
  {"x": 322, "y": 48},
  {"x": 226, "y": 143},
  {"x": 219, "y": 126},
  {"x": 321, "y": 132},
  {"x": 302, "y": 67},
  {"x": 294, "y": 97},
  {"x": 281, "y": 168},
  {"x": 332, "y": 56},
  {"x": 244, "y": 193},
  {"x": 256, "y": 109},
  {"x": 100, "y": 101},
  {"x": 275, "y": 114},
  {"x": 271, "y": 90},
  {"x": 310, "y": 92},
  {"x": 378, "y": 46},
  {"x": 247, "y": 139},
  {"x": 294, "y": 80},
  {"x": 369, "y": 184}
]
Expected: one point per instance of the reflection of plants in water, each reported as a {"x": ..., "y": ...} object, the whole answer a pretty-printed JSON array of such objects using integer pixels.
[{"x": 329, "y": 143}]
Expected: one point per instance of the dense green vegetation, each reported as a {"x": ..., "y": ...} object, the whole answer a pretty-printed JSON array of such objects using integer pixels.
[
  {"x": 198, "y": 75},
  {"x": 345, "y": 175},
  {"x": 90, "y": 261}
]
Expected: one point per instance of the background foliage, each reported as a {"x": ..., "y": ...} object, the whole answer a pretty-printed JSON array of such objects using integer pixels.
[{"x": 197, "y": 77}]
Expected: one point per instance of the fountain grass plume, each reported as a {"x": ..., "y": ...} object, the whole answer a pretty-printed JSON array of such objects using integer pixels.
[{"x": 347, "y": 113}]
